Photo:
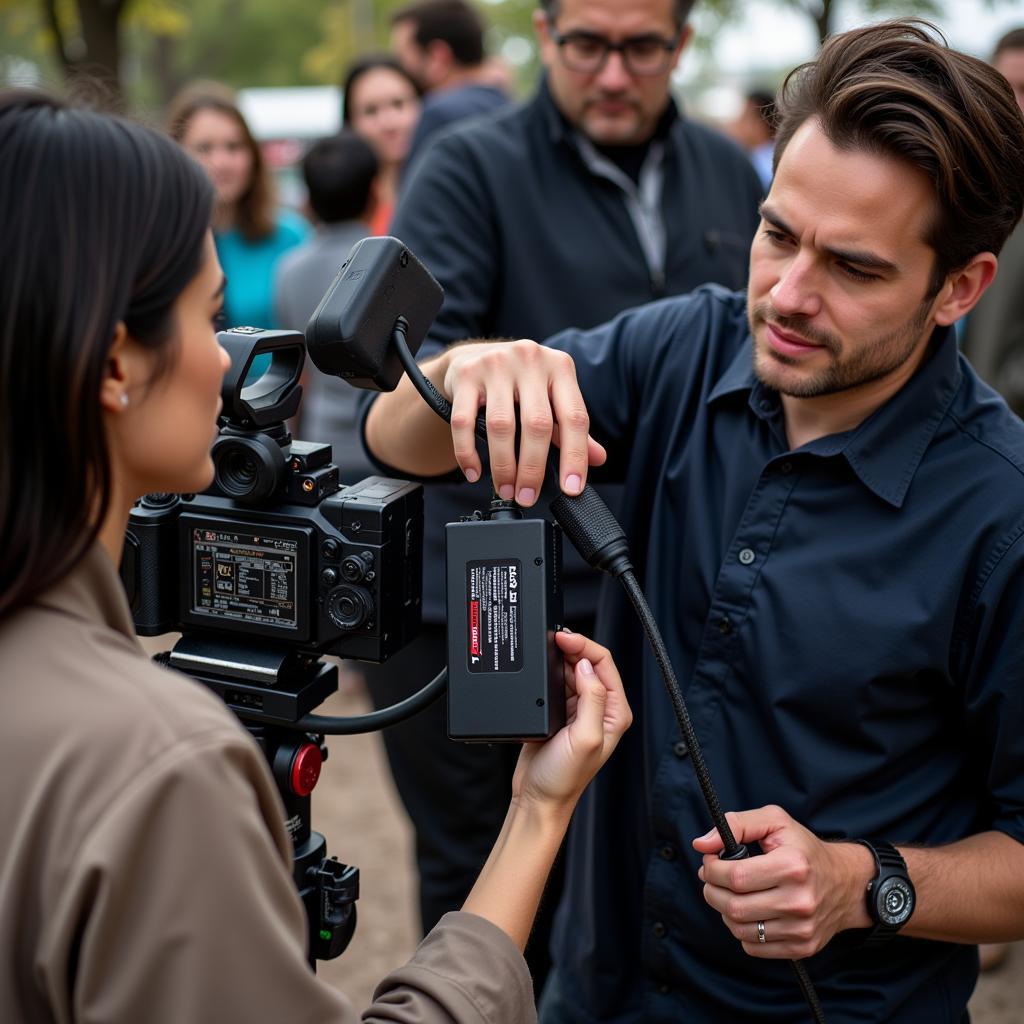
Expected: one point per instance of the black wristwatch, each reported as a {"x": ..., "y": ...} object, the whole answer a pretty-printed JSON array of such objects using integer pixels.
[{"x": 890, "y": 896}]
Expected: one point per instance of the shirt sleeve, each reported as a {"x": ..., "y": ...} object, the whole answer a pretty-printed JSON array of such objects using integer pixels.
[
  {"x": 466, "y": 969},
  {"x": 630, "y": 367},
  {"x": 182, "y": 908},
  {"x": 993, "y": 665}
]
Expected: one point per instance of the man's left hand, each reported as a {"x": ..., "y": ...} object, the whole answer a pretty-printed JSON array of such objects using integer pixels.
[{"x": 802, "y": 890}]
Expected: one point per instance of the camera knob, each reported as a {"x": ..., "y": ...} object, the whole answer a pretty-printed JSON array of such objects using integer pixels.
[
  {"x": 158, "y": 499},
  {"x": 349, "y": 607},
  {"x": 356, "y": 567},
  {"x": 329, "y": 577}
]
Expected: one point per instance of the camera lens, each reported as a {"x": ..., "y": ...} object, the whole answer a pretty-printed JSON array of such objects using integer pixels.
[
  {"x": 240, "y": 469},
  {"x": 349, "y": 607},
  {"x": 250, "y": 469}
]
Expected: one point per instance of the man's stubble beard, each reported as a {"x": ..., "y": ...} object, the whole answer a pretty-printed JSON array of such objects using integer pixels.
[{"x": 873, "y": 362}]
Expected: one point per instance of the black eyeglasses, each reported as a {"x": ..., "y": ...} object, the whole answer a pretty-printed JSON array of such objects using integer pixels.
[{"x": 587, "y": 52}]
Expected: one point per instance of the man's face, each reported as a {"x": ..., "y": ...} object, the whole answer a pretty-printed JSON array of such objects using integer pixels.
[
  {"x": 612, "y": 106},
  {"x": 408, "y": 52},
  {"x": 1010, "y": 64},
  {"x": 839, "y": 270}
]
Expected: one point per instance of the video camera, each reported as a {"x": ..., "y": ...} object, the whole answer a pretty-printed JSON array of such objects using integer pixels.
[
  {"x": 276, "y": 550},
  {"x": 277, "y": 564}
]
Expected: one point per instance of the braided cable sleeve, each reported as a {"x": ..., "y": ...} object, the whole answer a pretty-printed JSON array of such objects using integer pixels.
[{"x": 807, "y": 987}]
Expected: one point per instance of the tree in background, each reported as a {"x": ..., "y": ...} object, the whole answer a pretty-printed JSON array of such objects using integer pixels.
[
  {"x": 84, "y": 39},
  {"x": 141, "y": 51}
]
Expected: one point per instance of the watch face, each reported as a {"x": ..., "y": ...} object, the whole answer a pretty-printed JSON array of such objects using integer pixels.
[{"x": 894, "y": 901}]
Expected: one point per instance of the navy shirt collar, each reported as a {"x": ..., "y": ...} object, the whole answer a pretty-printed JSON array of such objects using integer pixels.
[{"x": 886, "y": 449}]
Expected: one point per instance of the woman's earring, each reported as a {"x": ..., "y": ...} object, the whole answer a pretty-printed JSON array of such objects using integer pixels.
[{"x": 124, "y": 400}]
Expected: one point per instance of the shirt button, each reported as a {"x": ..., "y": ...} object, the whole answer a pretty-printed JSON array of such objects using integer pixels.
[
  {"x": 765, "y": 404},
  {"x": 747, "y": 556},
  {"x": 725, "y": 625},
  {"x": 660, "y": 931},
  {"x": 786, "y": 467},
  {"x": 680, "y": 749},
  {"x": 668, "y": 852}
]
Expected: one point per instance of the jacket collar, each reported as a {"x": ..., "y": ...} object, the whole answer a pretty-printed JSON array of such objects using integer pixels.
[
  {"x": 886, "y": 449},
  {"x": 93, "y": 591}
]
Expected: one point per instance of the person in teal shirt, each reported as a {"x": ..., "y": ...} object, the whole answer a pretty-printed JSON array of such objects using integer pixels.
[{"x": 250, "y": 231}]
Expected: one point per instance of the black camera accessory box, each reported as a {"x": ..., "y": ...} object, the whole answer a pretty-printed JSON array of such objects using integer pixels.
[
  {"x": 349, "y": 333},
  {"x": 504, "y": 597}
]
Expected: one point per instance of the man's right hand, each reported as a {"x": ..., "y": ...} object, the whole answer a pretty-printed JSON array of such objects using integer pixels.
[{"x": 542, "y": 382}]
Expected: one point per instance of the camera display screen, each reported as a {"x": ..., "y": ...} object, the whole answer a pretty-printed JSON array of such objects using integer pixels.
[{"x": 246, "y": 577}]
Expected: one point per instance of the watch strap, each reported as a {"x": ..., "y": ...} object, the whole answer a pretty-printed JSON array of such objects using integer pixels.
[{"x": 887, "y": 859}]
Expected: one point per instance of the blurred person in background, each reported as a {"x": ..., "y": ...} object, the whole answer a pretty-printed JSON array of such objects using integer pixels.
[
  {"x": 145, "y": 866},
  {"x": 441, "y": 44},
  {"x": 340, "y": 175},
  {"x": 381, "y": 102},
  {"x": 994, "y": 332},
  {"x": 594, "y": 196},
  {"x": 754, "y": 129},
  {"x": 251, "y": 232}
]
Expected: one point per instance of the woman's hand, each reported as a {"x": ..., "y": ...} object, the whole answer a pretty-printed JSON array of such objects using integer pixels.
[
  {"x": 556, "y": 772},
  {"x": 548, "y": 781}
]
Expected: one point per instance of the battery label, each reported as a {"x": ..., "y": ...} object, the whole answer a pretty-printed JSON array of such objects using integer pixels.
[{"x": 494, "y": 643}]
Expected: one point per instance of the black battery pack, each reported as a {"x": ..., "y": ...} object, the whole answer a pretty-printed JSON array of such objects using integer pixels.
[{"x": 504, "y": 597}]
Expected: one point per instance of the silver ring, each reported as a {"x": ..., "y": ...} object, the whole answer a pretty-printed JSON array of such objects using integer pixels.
[{"x": 760, "y": 933}]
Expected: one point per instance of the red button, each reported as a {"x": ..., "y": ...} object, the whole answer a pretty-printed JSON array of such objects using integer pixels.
[{"x": 306, "y": 769}]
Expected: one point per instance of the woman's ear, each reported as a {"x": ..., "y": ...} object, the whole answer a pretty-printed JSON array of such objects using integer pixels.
[{"x": 118, "y": 372}]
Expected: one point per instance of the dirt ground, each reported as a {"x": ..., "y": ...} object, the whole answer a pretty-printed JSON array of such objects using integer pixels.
[{"x": 356, "y": 808}]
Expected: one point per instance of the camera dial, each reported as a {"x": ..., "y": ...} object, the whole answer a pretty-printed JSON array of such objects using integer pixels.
[{"x": 349, "y": 607}]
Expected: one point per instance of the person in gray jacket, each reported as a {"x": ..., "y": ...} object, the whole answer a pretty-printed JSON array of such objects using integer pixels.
[
  {"x": 340, "y": 173},
  {"x": 145, "y": 870}
]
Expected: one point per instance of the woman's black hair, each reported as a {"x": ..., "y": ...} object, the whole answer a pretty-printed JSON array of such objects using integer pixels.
[
  {"x": 103, "y": 221},
  {"x": 364, "y": 65}
]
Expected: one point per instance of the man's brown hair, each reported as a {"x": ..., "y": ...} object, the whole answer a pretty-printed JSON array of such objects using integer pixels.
[{"x": 897, "y": 89}]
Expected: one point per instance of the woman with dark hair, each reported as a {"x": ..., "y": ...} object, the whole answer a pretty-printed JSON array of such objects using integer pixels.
[
  {"x": 251, "y": 232},
  {"x": 145, "y": 871},
  {"x": 381, "y": 102}
]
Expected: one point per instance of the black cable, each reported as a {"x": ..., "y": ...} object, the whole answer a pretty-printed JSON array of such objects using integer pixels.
[
  {"x": 350, "y": 725},
  {"x": 600, "y": 540},
  {"x": 733, "y": 850}
]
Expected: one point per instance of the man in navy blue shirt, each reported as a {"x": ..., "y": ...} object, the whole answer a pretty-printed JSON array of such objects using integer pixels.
[{"x": 826, "y": 509}]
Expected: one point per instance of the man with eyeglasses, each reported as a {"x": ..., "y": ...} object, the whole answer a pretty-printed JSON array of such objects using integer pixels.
[{"x": 594, "y": 196}]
